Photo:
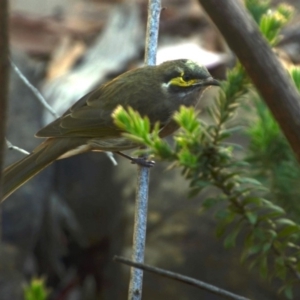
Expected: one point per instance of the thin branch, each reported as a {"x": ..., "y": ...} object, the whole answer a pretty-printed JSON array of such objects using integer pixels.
[
  {"x": 141, "y": 207},
  {"x": 34, "y": 90},
  {"x": 10, "y": 146},
  {"x": 271, "y": 80},
  {"x": 111, "y": 157},
  {"x": 182, "y": 278}
]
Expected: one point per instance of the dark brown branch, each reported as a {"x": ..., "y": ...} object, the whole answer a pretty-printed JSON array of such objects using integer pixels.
[
  {"x": 182, "y": 278},
  {"x": 261, "y": 64},
  {"x": 3, "y": 76}
]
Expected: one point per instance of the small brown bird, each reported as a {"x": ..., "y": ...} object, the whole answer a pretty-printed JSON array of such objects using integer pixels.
[{"x": 153, "y": 91}]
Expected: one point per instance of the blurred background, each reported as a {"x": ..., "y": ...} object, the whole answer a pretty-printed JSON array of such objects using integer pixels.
[{"x": 67, "y": 223}]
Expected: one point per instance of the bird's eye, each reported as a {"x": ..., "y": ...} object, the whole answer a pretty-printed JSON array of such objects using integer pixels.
[{"x": 186, "y": 77}]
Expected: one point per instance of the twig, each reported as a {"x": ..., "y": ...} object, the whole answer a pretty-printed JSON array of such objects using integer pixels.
[
  {"x": 141, "y": 207},
  {"x": 34, "y": 90},
  {"x": 10, "y": 146},
  {"x": 111, "y": 157},
  {"x": 271, "y": 80},
  {"x": 3, "y": 83},
  {"x": 185, "y": 279}
]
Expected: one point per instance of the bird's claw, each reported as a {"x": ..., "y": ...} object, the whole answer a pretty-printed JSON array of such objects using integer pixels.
[{"x": 143, "y": 162}]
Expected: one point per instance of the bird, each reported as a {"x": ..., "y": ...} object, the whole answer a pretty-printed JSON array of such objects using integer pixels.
[{"x": 153, "y": 91}]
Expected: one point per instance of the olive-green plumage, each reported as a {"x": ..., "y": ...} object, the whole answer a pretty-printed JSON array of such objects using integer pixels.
[{"x": 153, "y": 91}]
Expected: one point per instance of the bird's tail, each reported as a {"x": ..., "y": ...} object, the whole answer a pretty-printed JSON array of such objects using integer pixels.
[{"x": 20, "y": 172}]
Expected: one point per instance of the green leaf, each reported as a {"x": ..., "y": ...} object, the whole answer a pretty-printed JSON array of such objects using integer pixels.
[
  {"x": 210, "y": 202},
  {"x": 285, "y": 222},
  {"x": 286, "y": 11},
  {"x": 257, "y": 8},
  {"x": 266, "y": 247},
  {"x": 241, "y": 191},
  {"x": 224, "y": 217},
  {"x": 250, "y": 180},
  {"x": 295, "y": 74},
  {"x": 214, "y": 113},
  {"x": 36, "y": 290},
  {"x": 288, "y": 231},
  {"x": 249, "y": 240},
  {"x": 267, "y": 217},
  {"x": 288, "y": 292},
  {"x": 253, "y": 263},
  {"x": 244, "y": 256},
  {"x": 220, "y": 229},
  {"x": 231, "y": 237},
  {"x": 260, "y": 233},
  {"x": 273, "y": 207},
  {"x": 187, "y": 159},
  {"x": 272, "y": 234},
  {"x": 134, "y": 138},
  {"x": 263, "y": 266},
  {"x": 252, "y": 217},
  {"x": 280, "y": 271},
  {"x": 252, "y": 200}
]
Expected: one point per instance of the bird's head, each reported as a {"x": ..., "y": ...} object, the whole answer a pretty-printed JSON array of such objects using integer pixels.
[{"x": 184, "y": 76}]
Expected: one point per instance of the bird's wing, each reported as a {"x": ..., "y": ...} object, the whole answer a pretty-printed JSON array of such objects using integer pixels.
[
  {"x": 84, "y": 118},
  {"x": 91, "y": 116}
]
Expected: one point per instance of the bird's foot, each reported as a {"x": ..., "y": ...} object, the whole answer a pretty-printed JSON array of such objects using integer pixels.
[{"x": 141, "y": 161}]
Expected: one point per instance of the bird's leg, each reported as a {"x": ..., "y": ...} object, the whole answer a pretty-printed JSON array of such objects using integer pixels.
[{"x": 141, "y": 161}]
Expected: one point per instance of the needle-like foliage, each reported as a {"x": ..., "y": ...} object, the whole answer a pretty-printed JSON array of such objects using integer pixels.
[{"x": 245, "y": 182}]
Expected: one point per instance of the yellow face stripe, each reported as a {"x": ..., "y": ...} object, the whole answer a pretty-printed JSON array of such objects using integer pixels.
[{"x": 179, "y": 81}]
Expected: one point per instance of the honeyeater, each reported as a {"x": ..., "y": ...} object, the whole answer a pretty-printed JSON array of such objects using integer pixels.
[{"x": 154, "y": 91}]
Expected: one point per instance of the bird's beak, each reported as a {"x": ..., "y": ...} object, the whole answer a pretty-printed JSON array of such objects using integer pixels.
[{"x": 210, "y": 81}]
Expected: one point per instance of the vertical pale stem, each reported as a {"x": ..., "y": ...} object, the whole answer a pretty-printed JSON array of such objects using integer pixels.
[{"x": 140, "y": 224}]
